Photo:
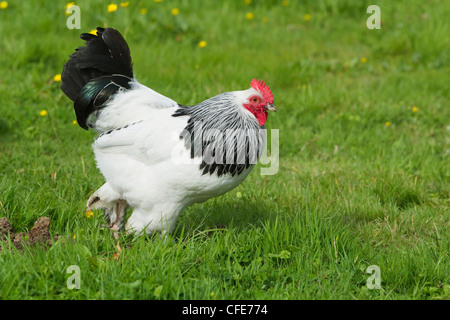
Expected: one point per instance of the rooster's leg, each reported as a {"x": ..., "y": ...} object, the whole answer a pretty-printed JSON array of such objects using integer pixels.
[
  {"x": 118, "y": 224},
  {"x": 105, "y": 198}
]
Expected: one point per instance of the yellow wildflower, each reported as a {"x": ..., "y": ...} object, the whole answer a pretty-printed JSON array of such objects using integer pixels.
[
  {"x": 143, "y": 11},
  {"x": 57, "y": 78},
  {"x": 74, "y": 121},
  {"x": 285, "y": 3},
  {"x": 43, "y": 113},
  {"x": 387, "y": 124},
  {"x": 74, "y": 236},
  {"x": 158, "y": 0},
  {"x": 89, "y": 214},
  {"x": 70, "y": 4},
  {"x": 307, "y": 17},
  {"x": 247, "y": 2},
  {"x": 112, "y": 7},
  {"x": 175, "y": 11},
  {"x": 249, "y": 15},
  {"x": 415, "y": 109},
  {"x": 363, "y": 59},
  {"x": 125, "y": 4},
  {"x": 202, "y": 44},
  {"x": 3, "y": 5}
]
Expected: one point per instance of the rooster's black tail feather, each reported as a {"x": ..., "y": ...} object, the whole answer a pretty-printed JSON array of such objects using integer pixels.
[{"x": 96, "y": 71}]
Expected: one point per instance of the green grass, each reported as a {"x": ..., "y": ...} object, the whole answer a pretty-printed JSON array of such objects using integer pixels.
[{"x": 351, "y": 191}]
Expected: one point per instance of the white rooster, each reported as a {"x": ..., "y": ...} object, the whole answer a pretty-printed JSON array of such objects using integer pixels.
[{"x": 156, "y": 155}]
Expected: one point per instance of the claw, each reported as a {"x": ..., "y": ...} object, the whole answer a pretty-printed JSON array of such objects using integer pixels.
[{"x": 116, "y": 255}]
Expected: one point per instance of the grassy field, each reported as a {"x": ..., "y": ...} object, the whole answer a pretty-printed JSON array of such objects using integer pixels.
[{"x": 364, "y": 177}]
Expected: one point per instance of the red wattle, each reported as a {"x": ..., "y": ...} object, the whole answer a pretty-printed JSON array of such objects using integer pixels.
[{"x": 259, "y": 113}]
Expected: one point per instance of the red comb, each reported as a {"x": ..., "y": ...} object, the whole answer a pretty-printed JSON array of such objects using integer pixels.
[{"x": 262, "y": 87}]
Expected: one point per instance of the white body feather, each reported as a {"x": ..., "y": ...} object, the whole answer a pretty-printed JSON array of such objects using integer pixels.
[{"x": 137, "y": 154}]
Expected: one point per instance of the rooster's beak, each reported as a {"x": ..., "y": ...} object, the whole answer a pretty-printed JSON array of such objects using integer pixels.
[{"x": 270, "y": 107}]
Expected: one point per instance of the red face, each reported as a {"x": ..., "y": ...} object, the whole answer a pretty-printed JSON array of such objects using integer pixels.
[{"x": 257, "y": 106}]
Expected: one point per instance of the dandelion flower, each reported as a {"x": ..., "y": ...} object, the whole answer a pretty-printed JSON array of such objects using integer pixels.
[
  {"x": 202, "y": 44},
  {"x": 125, "y": 4},
  {"x": 285, "y": 3},
  {"x": 387, "y": 124},
  {"x": 112, "y": 7},
  {"x": 415, "y": 109},
  {"x": 249, "y": 15},
  {"x": 68, "y": 5},
  {"x": 247, "y": 2},
  {"x": 3, "y": 5},
  {"x": 74, "y": 122},
  {"x": 158, "y": 0},
  {"x": 307, "y": 17},
  {"x": 57, "y": 78},
  {"x": 363, "y": 59},
  {"x": 43, "y": 113},
  {"x": 89, "y": 214},
  {"x": 74, "y": 236},
  {"x": 143, "y": 11},
  {"x": 175, "y": 11}
]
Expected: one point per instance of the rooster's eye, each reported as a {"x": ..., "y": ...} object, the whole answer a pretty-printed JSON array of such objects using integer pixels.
[{"x": 255, "y": 99}]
